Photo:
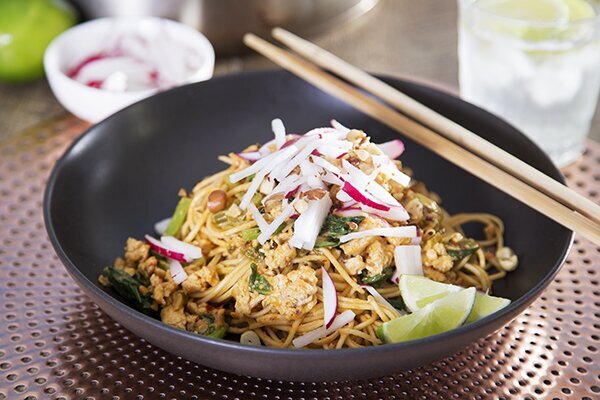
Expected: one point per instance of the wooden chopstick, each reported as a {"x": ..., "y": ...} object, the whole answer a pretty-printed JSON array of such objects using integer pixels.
[
  {"x": 440, "y": 124},
  {"x": 428, "y": 138}
]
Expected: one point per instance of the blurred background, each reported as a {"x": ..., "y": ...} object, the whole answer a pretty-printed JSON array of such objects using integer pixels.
[{"x": 416, "y": 39}]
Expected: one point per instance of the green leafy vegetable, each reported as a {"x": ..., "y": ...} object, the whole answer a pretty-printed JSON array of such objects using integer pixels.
[
  {"x": 334, "y": 227},
  {"x": 212, "y": 329},
  {"x": 218, "y": 333},
  {"x": 128, "y": 287},
  {"x": 253, "y": 233},
  {"x": 377, "y": 279},
  {"x": 462, "y": 249},
  {"x": 178, "y": 217},
  {"x": 258, "y": 283},
  {"x": 253, "y": 254}
]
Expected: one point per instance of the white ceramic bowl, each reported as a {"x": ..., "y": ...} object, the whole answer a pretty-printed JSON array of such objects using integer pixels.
[{"x": 89, "y": 38}]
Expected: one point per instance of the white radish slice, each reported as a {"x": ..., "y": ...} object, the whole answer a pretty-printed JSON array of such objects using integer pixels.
[
  {"x": 399, "y": 231},
  {"x": 279, "y": 157},
  {"x": 408, "y": 260},
  {"x": 161, "y": 226},
  {"x": 393, "y": 149},
  {"x": 360, "y": 197},
  {"x": 250, "y": 338},
  {"x": 330, "y": 300},
  {"x": 164, "y": 250},
  {"x": 339, "y": 126},
  {"x": 250, "y": 155},
  {"x": 270, "y": 229},
  {"x": 279, "y": 131},
  {"x": 177, "y": 272},
  {"x": 330, "y": 178},
  {"x": 260, "y": 221},
  {"x": 344, "y": 318},
  {"x": 380, "y": 299},
  {"x": 362, "y": 180},
  {"x": 391, "y": 171},
  {"x": 349, "y": 212},
  {"x": 393, "y": 214},
  {"x": 189, "y": 251},
  {"x": 308, "y": 225}
]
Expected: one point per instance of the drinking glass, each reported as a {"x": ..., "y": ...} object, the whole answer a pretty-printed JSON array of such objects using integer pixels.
[{"x": 536, "y": 63}]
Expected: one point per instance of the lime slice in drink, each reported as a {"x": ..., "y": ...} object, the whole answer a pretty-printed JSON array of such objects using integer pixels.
[
  {"x": 579, "y": 9},
  {"x": 418, "y": 291},
  {"x": 530, "y": 10},
  {"x": 440, "y": 316},
  {"x": 486, "y": 305}
]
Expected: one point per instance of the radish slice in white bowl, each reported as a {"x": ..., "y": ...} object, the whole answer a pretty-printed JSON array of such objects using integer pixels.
[{"x": 330, "y": 300}]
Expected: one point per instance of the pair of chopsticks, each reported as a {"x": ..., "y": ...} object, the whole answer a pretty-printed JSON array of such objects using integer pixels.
[{"x": 434, "y": 131}]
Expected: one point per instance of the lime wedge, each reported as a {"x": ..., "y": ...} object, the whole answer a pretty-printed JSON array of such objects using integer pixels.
[
  {"x": 418, "y": 291},
  {"x": 440, "y": 316},
  {"x": 530, "y": 10},
  {"x": 579, "y": 9},
  {"x": 486, "y": 305}
]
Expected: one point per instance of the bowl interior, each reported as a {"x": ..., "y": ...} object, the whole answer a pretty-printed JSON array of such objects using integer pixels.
[{"x": 123, "y": 175}]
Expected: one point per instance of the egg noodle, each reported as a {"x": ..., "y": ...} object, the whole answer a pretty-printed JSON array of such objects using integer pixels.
[{"x": 274, "y": 286}]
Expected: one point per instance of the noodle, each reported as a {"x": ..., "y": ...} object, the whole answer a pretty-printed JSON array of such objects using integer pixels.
[{"x": 217, "y": 287}]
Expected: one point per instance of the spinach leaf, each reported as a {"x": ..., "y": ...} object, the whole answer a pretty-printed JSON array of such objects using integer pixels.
[
  {"x": 462, "y": 249},
  {"x": 336, "y": 226},
  {"x": 213, "y": 330},
  {"x": 253, "y": 233},
  {"x": 257, "y": 282},
  {"x": 128, "y": 287},
  {"x": 377, "y": 279}
]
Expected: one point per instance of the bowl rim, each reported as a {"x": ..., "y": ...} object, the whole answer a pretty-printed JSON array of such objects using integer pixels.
[
  {"x": 51, "y": 59},
  {"x": 494, "y": 319}
]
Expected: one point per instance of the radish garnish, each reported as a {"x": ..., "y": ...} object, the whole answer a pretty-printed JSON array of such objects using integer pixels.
[
  {"x": 331, "y": 179},
  {"x": 163, "y": 250},
  {"x": 177, "y": 272},
  {"x": 355, "y": 194},
  {"x": 280, "y": 219},
  {"x": 260, "y": 221},
  {"x": 349, "y": 212},
  {"x": 189, "y": 251},
  {"x": 279, "y": 131},
  {"x": 408, "y": 260},
  {"x": 339, "y": 126},
  {"x": 393, "y": 173},
  {"x": 393, "y": 149},
  {"x": 162, "y": 225},
  {"x": 362, "y": 180},
  {"x": 344, "y": 318},
  {"x": 250, "y": 155},
  {"x": 323, "y": 163},
  {"x": 330, "y": 300},
  {"x": 379, "y": 298},
  {"x": 400, "y": 231},
  {"x": 308, "y": 225}
]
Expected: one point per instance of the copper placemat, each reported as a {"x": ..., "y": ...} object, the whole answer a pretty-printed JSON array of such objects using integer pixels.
[{"x": 57, "y": 344}]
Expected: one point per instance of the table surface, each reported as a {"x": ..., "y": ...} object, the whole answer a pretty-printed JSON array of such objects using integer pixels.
[{"x": 398, "y": 37}]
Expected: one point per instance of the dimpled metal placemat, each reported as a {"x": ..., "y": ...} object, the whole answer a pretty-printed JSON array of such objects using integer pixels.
[{"x": 55, "y": 343}]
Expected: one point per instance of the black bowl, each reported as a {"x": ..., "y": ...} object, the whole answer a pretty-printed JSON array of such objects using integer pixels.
[{"x": 123, "y": 174}]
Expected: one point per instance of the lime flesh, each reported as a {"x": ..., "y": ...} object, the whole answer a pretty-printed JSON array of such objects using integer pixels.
[
  {"x": 440, "y": 316},
  {"x": 485, "y": 305},
  {"x": 417, "y": 292}
]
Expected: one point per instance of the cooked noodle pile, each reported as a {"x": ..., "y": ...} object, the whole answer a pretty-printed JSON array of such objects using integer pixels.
[{"x": 266, "y": 245}]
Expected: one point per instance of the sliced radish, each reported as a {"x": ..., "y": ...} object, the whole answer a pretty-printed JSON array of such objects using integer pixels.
[
  {"x": 279, "y": 131},
  {"x": 393, "y": 149},
  {"x": 162, "y": 225},
  {"x": 308, "y": 225},
  {"x": 409, "y": 231},
  {"x": 349, "y": 212},
  {"x": 251, "y": 155},
  {"x": 343, "y": 319},
  {"x": 363, "y": 181},
  {"x": 330, "y": 300},
  {"x": 355, "y": 194},
  {"x": 339, "y": 126},
  {"x": 260, "y": 221},
  {"x": 380, "y": 299},
  {"x": 280, "y": 219},
  {"x": 323, "y": 163},
  {"x": 394, "y": 173},
  {"x": 164, "y": 250},
  {"x": 278, "y": 157},
  {"x": 189, "y": 251},
  {"x": 330, "y": 178},
  {"x": 177, "y": 272},
  {"x": 408, "y": 260},
  {"x": 397, "y": 213}
]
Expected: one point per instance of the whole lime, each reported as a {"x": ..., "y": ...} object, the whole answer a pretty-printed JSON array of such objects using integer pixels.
[{"x": 26, "y": 29}]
